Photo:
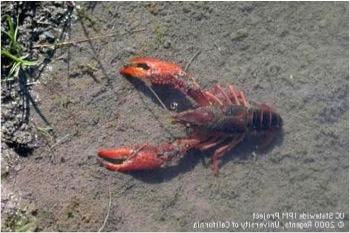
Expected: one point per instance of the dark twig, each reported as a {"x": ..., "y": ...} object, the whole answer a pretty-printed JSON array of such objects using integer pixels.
[
  {"x": 191, "y": 60},
  {"x": 83, "y": 40}
]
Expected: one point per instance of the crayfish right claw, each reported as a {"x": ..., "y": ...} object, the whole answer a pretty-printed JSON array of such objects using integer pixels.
[{"x": 126, "y": 159}]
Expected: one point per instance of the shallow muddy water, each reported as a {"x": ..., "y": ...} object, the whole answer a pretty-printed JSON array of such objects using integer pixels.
[{"x": 293, "y": 56}]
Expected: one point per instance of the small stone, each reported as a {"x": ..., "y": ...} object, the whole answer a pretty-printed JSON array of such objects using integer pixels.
[
  {"x": 46, "y": 36},
  {"x": 283, "y": 33},
  {"x": 18, "y": 167},
  {"x": 57, "y": 32},
  {"x": 167, "y": 19},
  {"x": 58, "y": 3},
  {"x": 239, "y": 34},
  {"x": 243, "y": 46},
  {"x": 42, "y": 37},
  {"x": 274, "y": 70},
  {"x": 247, "y": 7},
  {"x": 130, "y": 50},
  {"x": 22, "y": 137},
  {"x": 254, "y": 20},
  {"x": 323, "y": 23},
  {"x": 4, "y": 167},
  {"x": 167, "y": 44},
  {"x": 153, "y": 9},
  {"x": 186, "y": 10},
  {"x": 198, "y": 16},
  {"x": 49, "y": 36}
]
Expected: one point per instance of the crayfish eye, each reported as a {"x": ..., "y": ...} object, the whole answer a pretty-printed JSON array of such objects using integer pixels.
[
  {"x": 189, "y": 128},
  {"x": 143, "y": 66}
]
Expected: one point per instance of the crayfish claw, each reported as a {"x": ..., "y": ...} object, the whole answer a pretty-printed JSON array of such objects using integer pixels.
[
  {"x": 120, "y": 153},
  {"x": 152, "y": 69},
  {"x": 126, "y": 159}
]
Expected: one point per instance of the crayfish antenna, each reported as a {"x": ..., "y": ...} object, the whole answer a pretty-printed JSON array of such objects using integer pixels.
[{"x": 157, "y": 97}]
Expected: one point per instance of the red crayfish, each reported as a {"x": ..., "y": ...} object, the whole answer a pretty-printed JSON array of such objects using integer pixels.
[{"x": 222, "y": 118}]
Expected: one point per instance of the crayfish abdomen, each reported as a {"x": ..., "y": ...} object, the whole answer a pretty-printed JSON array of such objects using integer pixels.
[
  {"x": 264, "y": 118},
  {"x": 231, "y": 119}
]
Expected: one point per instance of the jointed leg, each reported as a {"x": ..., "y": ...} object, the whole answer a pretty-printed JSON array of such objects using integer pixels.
[
  {"x": 244, "y": 100},
  {"x": 213, "y": 99},
  {"x": 223, "y": 96},
  {"x": 238, "y": 96},
  {"x": 222, "y": 150},
  {"x": 211, "y": 143},
  {"x": 233, "y": 94}
]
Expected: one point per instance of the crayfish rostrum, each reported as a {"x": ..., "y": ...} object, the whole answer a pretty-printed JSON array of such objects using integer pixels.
[{"x": 221, "y": 119}]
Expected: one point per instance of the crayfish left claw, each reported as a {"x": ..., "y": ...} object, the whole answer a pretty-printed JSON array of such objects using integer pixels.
[
  {"x": 160, "y": 72},
  {"x": 152, "y": 69},
  {"x": 126, "y": 159}
]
